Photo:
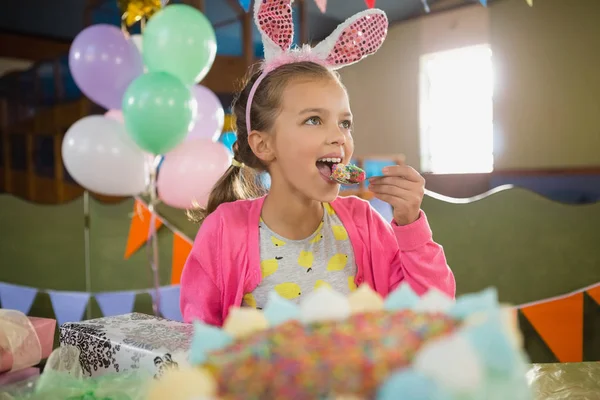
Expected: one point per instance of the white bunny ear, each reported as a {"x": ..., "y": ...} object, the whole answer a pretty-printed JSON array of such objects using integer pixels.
[
  {"x": 358, "y": 37},
  {"x": 274, "y": 21}
]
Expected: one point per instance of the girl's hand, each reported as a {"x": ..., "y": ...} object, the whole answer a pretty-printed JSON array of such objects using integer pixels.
[{"x": 401, "y": 187}]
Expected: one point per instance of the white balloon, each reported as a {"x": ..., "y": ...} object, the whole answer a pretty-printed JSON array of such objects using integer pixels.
[{"x": 100, "y": 157}]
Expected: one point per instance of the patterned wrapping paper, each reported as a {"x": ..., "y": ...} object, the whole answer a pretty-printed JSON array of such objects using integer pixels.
[
  {"x": 128, "y": 343},
  {"x": 315, "y": 361}
]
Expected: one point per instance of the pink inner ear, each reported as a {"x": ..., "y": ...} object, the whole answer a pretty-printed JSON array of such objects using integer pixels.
[
  {"x": 275, "y": 21},
  {"x": 361, "y": 38}
]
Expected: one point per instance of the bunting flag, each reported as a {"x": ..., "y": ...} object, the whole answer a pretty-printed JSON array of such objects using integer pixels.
[
  {"x": 169, "y": 302},
  {"x": 68, "y": 306},
  {"x": 559, "y": 323},
  {"x": 139, "y": 228},
  {"x": 370, "y": 3},
  {"x": 322, "y": 4},
  {"x": 16, "y": 297},
  {"x": 483, "y": 2},
  {"x": 425, "y": 6},
  {"x": 181, "y": 249},
  {"x": 245, "y": 4},
  {"x": 594, "y": 293},
  {"x": 115, "y": 303},
  {"x": 530, "y": 3}
]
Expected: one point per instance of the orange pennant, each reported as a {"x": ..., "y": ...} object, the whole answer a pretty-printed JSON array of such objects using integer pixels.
[
  {"x": 560, "y": 324},
  {"x": 139, "y": 227},
  {"x": 181, "y": 250},
  {"x": 594, "y": 293}
]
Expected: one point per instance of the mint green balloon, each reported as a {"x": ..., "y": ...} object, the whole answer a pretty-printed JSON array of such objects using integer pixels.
[
  {"x": 181, "y": 41},
  {"x": 158, "y": 110}
]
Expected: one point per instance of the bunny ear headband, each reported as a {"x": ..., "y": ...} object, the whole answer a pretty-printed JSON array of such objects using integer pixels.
[{"x": 358, "y": 37}]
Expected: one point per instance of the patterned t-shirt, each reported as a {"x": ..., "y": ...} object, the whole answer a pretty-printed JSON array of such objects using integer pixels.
[{"x": 296, "y": 267}]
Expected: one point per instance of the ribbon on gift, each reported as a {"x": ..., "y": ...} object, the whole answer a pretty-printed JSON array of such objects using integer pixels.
[
  {"x": 20, "y": 346},
  {"x": 63, "y": 378}
]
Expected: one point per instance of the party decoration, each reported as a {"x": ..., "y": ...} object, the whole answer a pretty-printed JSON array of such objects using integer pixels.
[
  {"x": 483, "y": 2},
  {"x": 312, "y": 310},
  {"x": 16, "y": 297},
  {"x": 103, "y": 63},
  {"x": 210, "y": 116},
  {"x": 190, "y": 171},
  {"x": 169, "y": 302},
  {"x": 229, "y": 125},
  {"x": 243, "y": 321},
  {"x": 322, "y": 4},
  {"x": 402, "y": 298},
  {"x": 365, "y": 299},
  {"x": 115, "y": 115},
  {"x": 560, "y": 324},
  {"x": 181, "y": 249},
  {"x": 100, "y": 157},
  {"x": 139, "y": 228},
  {"x": 434, "y": 301},
  {"x": 68, "y": 306},
  {"x": 136, "y": 10},
  {"x": 180, "y": 40},
  {"x": 529, "y": 3},
  {"x": 370, "y": 3},
  {"x": 411, "y": 385},
  {"x": 425, "y": 6},
  {"x": 207, "y": 338},
  {"x": 228, "y": 139},
  {"x": 115, "y": 303},
  {"x": 279, "y": 310},
  {"x": 159, "y": 110},
  {"x": 452, "y": 363}
]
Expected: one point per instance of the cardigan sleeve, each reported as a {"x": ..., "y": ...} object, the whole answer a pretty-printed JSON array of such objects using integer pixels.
[
  {"x": 420, "y": 261},
  {"x": 201, "y": 283}
]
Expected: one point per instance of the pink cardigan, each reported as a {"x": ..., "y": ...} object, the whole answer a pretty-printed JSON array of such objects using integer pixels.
[{"x": 224, "y": 263}]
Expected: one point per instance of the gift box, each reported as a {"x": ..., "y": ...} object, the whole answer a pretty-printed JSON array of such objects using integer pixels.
[
  {"x": 24, "y": 341},
  {"x": 127, "y": 343}
]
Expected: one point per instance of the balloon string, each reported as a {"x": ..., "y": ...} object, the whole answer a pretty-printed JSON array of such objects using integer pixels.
[{"x": 152, "y": 242}]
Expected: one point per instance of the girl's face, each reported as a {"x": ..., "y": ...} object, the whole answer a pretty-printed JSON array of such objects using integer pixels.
[{"x": 314, "y": 123}]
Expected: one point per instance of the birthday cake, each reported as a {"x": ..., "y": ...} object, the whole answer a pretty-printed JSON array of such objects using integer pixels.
[{"x": 358, "y": 347}]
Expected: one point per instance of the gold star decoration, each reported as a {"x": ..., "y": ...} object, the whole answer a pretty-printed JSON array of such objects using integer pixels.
[{"x": 134, "y": 10}]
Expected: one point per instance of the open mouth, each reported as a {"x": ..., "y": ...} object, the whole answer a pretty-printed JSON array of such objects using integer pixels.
[{"x": 325, "y": 165}]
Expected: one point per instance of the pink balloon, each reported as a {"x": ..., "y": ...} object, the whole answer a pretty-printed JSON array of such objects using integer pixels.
[
  {"x": 117, "y": 115},
  {"x": 210, "y": 116},
  {"x": 189, "y": 172}
]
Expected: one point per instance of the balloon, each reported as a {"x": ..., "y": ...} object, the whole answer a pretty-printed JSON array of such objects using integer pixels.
[
  {"x": 158, "y": 111},
  {"x": 103, "y": 64},
  {"x": 189, "y": 172},
  {"x": 116, "y": 115},
  {"x": 210, "y": 117},
  {"x": 180, "y": 40},
  {"x": 100, "y": 157},
  {"x": 228, "y": 139}
]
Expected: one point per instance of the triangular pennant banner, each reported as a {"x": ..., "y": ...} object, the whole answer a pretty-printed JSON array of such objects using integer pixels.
[
  {"x": 594, "y": 293},
  {"x": 181, "y": 250},
  {"x": 169, "y": 302},
  {"x": 139, "y": 227},
  {"x": 246, "y": 4},
  {"x": 530, "y": 3},
  {"x": 115, "y": 303},
  {"x": 370, "y": 3},
  {"x": 483, "y": 2},
  {"x": 16, "y": 297},
  {"x": 322, "y": 4},
  {"x": 560, "y": 324},
  {"x": 68, "y": 306}
]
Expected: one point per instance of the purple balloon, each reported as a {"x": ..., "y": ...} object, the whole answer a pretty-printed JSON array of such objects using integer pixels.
[
  {"x": 103, "y": 63},
  {"x": 210, "y": 116}
]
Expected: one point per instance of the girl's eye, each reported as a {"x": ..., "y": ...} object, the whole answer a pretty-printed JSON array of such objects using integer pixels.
[
  {"x": 313, "y": 121},
  {"x": 347, "y": 124}
]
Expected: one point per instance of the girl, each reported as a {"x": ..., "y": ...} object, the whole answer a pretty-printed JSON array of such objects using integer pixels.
[{"x": 294, "y": 121}]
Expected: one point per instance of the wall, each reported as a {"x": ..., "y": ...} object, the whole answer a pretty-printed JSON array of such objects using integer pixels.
[{"x": 547, "y": 100}]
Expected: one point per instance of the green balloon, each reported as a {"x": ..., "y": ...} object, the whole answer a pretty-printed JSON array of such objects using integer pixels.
[
  {"x": 181, "y": 41},
  {"x": 158, "y": 110}
]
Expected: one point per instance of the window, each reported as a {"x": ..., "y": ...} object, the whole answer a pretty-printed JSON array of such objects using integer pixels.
[{"x": 456, "y": 125}]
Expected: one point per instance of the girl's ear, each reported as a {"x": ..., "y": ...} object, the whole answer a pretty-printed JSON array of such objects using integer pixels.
[{"x": 261, "y": 145}]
